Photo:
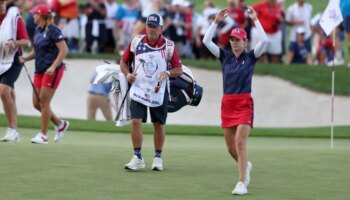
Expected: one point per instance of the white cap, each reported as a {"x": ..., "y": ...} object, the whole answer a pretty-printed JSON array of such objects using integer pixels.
[
  {"x": 186, "y": 3},
  {"x": 177, "y": 2},
  {"x": 301, "y": 30}
]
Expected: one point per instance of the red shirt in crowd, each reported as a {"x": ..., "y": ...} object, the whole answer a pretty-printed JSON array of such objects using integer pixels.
[
  {"x": 269, "y": 16},
  {"x": 237, "y": 14}
]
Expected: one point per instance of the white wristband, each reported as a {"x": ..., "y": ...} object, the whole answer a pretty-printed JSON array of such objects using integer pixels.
[{"x": 168, "y": 72}]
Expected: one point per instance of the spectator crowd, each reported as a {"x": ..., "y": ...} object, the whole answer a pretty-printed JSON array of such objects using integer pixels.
[{"x": 105, "y": 26}]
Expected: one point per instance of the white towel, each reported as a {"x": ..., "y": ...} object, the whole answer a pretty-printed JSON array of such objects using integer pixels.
[
  {"x": 107, "y": 73},
  {"x": 125, "y": 116},
  {"x": 111, "y": 73},
  {"x": 8, "y": 31}
]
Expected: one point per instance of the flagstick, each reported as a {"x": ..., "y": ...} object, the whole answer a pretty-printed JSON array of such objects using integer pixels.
[{"x": 333, "y": 78}]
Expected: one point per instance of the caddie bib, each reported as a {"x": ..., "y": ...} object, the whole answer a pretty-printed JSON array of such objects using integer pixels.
[{"x": 149, "y": 63}]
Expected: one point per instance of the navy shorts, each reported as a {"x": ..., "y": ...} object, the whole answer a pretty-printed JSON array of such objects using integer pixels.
[
  {"x": 11, "y": 75},
  {"x": 158, "y": 114}
]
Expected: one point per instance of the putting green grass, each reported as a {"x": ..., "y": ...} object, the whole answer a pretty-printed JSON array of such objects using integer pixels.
[{"x": 88, "y": 165}]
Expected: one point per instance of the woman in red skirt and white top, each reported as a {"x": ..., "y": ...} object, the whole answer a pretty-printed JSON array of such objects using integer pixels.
[{"x": 237, "y": 103}]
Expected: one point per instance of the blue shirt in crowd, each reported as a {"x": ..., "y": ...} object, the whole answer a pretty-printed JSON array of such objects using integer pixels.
[
  {"x": 345, "y": 7},
  {"x": 237, "y": 72},
  {"x": 100, "y": 88},
  {"x": 300, "y": 52},
  {"x": 46, "y": 51}
]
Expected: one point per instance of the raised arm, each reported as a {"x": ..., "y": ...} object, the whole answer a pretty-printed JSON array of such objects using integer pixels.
[
  {"x": 208, "y": 37},
  {"x": 261, "y": 45}
]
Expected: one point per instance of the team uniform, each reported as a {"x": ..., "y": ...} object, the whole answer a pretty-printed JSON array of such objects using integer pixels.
[
  {"x": 149, "y": 61},
  {"x": 237, "y": 106},
  {"x": 45, "y": 54},
  {"x": 237, "y": 103}
]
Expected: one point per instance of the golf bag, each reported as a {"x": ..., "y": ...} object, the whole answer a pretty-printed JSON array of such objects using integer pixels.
[{"x": 184, "y": 90}]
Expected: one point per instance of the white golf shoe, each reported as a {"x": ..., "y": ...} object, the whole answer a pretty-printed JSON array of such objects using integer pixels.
[
  {"x": 11, "y": 136},
  {"x": 40, "y": 139},
  {"x": 135, "y": 163},
  {"x": 157, "y": 164},
  {"x": 60, "y": 132},
  {"x": 240, "y": 189},
  {"x": 247, "y": 173}
]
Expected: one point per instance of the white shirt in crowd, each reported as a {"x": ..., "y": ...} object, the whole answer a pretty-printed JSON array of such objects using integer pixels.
[
  {"x": 299, "y": 13},
  {"x": 111, "y": 9}
]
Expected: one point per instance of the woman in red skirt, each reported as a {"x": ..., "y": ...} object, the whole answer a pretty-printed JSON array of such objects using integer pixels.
[{"x": 237, "y": 103}]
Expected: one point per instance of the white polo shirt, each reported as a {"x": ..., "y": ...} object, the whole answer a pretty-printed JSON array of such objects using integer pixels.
[{"x": 298, "y": 13}]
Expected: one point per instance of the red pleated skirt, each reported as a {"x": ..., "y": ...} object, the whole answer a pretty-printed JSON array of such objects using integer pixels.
[{"x": 237, "y": 109}]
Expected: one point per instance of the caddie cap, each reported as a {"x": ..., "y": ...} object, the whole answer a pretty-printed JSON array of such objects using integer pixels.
[{"x": 154, "y": 19}]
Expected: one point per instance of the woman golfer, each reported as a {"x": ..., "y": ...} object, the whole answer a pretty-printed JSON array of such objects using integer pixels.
[
  {"x": 49, "y": 51},
  {"x": 237, "y": 103}
]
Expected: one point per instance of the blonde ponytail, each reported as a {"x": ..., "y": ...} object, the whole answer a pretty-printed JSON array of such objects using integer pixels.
[{"x": 49, "y": 20}]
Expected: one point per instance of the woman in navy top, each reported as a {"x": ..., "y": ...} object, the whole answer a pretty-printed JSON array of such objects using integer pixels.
[
  {"x": 49, "y": 51},
  {"x": 237, "y": 103}
]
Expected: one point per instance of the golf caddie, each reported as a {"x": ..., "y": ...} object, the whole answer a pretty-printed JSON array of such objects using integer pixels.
[
  {"x": 13, "y": 37},
  {"x": 152, "y": 60}
]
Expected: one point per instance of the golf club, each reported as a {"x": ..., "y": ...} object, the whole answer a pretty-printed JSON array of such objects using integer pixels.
[{"x": 31, "y": 82}]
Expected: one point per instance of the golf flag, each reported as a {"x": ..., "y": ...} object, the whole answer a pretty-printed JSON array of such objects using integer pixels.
[{"x": 331, "y": 17}]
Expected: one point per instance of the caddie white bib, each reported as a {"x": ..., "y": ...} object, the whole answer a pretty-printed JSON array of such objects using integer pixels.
[{"x": 149, "y": 63}]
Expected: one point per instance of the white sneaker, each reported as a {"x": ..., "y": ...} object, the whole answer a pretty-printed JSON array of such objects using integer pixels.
[
  {"x": 11, "y": 136},
  {"x": 157, "y": 164},
  {"x": 247, "y": 173},
  {"x": 337, "y": 62},
  {"x": 40, "y": 139},
  {"x": 135, "y": 163},
  {"x": 240, "y": 189},
  {"x": 60, "y": 132}
]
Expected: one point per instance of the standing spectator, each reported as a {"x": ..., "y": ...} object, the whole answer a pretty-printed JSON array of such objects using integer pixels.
[
  {"x": 299, "y": 51},
  {"x": 98, "y": 98},
  {"x": 196, "y": 16},
  {"x": 345, "y": 9},
  {"x": 299, "y": 15},
  {"x": 187, "y": 47},
  {"x": 164, "y": 12},
  {"x": 111, "y": 8},
  {"x": 49, "y": 51},
  {"x": 66, "y": 17},
  {"x": 95, "y": 26},
  {"x": 125, "y": 17},
  {"x": 11, "y": 44},
  {"x": 237, "y": 103},
  {"x": 178, "y": 26},
  {"x": 204, "y": 22},
  {"x": 270, "y": 15},
  {"x": 150, "y": 86}
]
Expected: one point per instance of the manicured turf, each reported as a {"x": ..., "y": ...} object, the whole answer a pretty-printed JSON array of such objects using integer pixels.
[{"x": 88, "y": 165}]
